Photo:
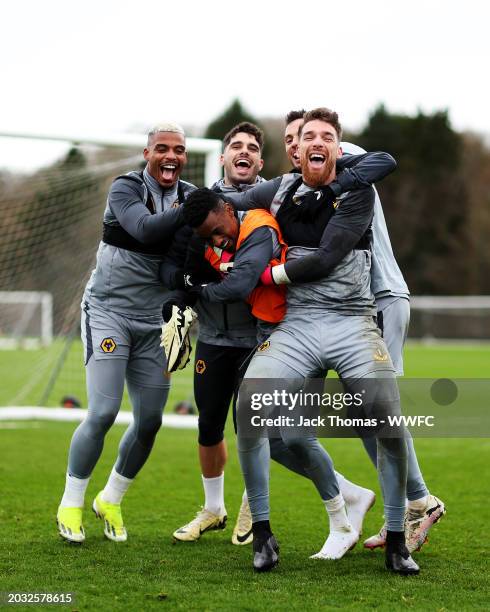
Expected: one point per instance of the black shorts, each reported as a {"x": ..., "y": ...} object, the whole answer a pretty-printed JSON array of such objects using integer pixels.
[{"x": 217, "y": 370}]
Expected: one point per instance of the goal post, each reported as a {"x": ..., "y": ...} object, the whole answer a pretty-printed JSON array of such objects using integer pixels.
[{"x": 26, "y": 318}]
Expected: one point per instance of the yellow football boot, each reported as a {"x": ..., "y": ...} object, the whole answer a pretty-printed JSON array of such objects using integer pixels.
[{"x": 113, "y": 522}]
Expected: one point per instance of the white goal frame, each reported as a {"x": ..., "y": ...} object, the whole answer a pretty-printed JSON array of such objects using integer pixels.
[
  {"x": 211, "y": 148},
  {"x": 31, "y": 299}
]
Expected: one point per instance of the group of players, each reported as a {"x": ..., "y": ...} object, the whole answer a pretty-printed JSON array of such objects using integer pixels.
[{"x": 230, "y": 252}]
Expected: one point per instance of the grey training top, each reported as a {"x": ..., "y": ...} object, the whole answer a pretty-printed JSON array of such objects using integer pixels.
[
  {"x": 124, "y": 281},
  {"x": 336, "y": 275}
]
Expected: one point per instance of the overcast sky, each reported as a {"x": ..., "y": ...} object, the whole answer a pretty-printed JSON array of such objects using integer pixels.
[{"x": 104, "y": 66}]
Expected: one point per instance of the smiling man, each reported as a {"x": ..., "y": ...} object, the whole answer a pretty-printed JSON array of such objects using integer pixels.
[
  {"x": 166, "y": 156},
  {"x": 248, "y": 240},
  {"x": 121, "y": 319},
  {"x": 393, "y": 313},
  {"x": 319, "y": 152},
  {"x": 242, "y": 156},
  {"x": 328, "y": 325},
  {"x": 294, "y": 121},
  {"x": 227, "y": 334}
]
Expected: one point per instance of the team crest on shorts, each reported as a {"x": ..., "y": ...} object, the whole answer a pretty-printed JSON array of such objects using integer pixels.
[
  {"x": 200, "y": 366},
  {"x": 380, "y": 355},
  {"x": 108, "y": 345},
  {"x": 264, "y": 346}
]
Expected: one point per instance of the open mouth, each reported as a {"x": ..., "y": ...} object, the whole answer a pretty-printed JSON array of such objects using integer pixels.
[
  {"x": 242, "y": 163},
  {"x": 169, "y": 172},
  {"x": 316, "y": 159}
]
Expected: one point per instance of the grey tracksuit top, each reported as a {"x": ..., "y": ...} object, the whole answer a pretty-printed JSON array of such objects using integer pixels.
[
  {"x": 386, "y": 276},
  {"x": 125, "y": 281}
]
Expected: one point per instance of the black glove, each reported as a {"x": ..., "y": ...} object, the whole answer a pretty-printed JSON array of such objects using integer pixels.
[
  {"x": 184, "y": 281},
  {"x": 197, "y": 265},
  {"x": 194, "y": 292}
]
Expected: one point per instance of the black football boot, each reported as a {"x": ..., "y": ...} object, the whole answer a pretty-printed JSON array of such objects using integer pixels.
[
  {"x": 265, "y": 547},
  {"x": 397, "y": 557}
]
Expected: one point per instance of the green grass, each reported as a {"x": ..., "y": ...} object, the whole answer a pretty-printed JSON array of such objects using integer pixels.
[
  {"x": 447, "y": 360},
  {"x": 150, "y": 572},
  {"x": 25, "y": 373}
]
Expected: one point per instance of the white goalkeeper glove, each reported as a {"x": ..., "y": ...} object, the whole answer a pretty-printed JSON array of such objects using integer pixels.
[{"x": 176, "y": 338}]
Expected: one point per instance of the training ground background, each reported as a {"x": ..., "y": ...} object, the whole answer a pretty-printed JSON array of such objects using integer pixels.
[{"x": 150, "y": 572}]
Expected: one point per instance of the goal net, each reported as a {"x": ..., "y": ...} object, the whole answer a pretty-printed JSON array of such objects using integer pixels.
[{"x": 51, "y": 227}]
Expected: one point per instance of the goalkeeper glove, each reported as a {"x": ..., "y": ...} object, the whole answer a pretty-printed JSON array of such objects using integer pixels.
[{"x": 175, "y": 338}]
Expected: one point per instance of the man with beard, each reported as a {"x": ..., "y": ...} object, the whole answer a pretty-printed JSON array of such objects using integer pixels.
[
  {"x": 329, "y": 325},
  {"x": 121, "y": 319},
  {"x": 393, "y": 314}
]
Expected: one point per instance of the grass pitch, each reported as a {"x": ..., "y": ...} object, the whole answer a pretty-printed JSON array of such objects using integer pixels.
[{"x": 150, "y": 572}]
